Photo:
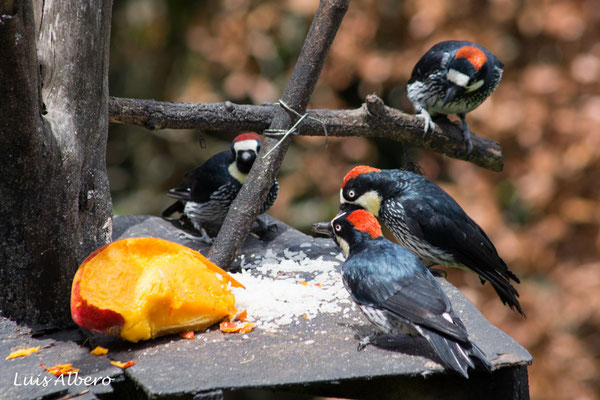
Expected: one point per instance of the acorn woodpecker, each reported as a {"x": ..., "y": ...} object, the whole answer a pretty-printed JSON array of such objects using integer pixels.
[
  {"x": 397, "y": 293},
  {"x": 453, "y": 77},
  {"x": 427, "y": 221},
  {"x": 205, "y": 194}
]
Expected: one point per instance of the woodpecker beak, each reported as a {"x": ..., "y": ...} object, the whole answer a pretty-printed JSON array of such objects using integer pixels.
[
  {"x": 450, "y": 94},
  {"x": 324, "y": 228},
  {"x": 246, "y": 156}
]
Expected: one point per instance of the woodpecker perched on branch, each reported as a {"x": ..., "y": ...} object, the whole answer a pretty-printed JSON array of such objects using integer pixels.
[
  {"x": 428, "y": 222},
  {"x": 453, "y": 77},
  {"x": 205, "y": 194},
  {"x": 397, "y": 293}
]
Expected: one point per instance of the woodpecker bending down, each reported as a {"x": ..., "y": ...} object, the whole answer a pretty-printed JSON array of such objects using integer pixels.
[
  {"x": 397, "y": 293},
  {"x": 205, "y": 194},
  {"x": 428, "y": 222},
  {"x": 453, "y": 77}
]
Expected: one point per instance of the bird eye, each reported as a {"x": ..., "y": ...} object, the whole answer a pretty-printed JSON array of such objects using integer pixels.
[
  {"x": 337, "y": 227},
  {"x": 351, "y": 194}
]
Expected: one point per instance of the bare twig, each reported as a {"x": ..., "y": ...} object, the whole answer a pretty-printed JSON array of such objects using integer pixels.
[{"x": 245, "y": 208}]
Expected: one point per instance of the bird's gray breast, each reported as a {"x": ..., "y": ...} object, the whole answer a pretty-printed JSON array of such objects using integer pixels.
[{"x": 213, "y": 210}]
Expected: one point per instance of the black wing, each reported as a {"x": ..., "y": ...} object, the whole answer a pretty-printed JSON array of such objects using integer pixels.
[
  {"x": 173, "y": 208},
  {"x": 271, "y": 197},
  {"x": 198, "y": 184},
  {"x": 440, "y": 221},
  {"x": 432, "y": 60},
  {"x": 409, "y": 291},
  {"x": 423, "y": 302}
]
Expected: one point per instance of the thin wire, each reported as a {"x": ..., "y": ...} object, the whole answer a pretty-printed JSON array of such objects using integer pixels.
[
  {"x": 295, "y": 126},
  {"x": 286, "y": 134}
]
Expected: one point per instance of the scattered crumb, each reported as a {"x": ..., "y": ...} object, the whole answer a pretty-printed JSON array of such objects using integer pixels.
[
  {"x": 99, "y": 351},
  {"x": 278, "y": 292},
  {"x": 123, "y": 365},
  {"x": 23, "y": 352}
]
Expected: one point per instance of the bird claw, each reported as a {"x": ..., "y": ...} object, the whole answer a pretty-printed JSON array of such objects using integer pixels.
[
  {"x": 203, "y": 237},
  {"x": 428, "y": 121},
  {"x": 469, "y": 147},
  {"x": 363, "y": 342},
  {"x": 464, "y": 128},
  {"x": 264, "y": 231}
]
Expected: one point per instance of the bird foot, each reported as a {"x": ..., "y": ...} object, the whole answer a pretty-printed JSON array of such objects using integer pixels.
[
  {"x": 203, "y": 237},
  {"x": 365, "y": 340},
  {"x": 362, "y": 343},
  {"x": 426, "y": 117},
  {"x": 464, "y": 128},
  {"x": 265, "y": 232}
]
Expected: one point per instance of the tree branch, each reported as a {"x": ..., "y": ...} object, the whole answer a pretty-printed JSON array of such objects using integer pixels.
[
  {"x": 245, "y": 208},
  {"x": 373, "y": 119},
  {"x": 214, "y": 117}
]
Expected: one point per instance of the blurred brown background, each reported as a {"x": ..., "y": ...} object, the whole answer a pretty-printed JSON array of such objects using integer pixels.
[{"x": 542, "y": 211}]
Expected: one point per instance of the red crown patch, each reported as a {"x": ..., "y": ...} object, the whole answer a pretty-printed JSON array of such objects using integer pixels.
[
  {"x": 474, "y": 55},
  {"x": 358, "y": 170},
  {"x": 246, "y": 136},
  {"x": 364, "y": 221}
]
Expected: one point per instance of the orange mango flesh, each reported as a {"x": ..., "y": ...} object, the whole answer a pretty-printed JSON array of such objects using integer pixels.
[{"x": 146, "y": 287}]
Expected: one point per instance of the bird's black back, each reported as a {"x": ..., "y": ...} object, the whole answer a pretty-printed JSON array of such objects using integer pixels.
[
  {"x": 441, "y": 54},
  {"x": 386, "y": 276},
  {"x": 434, "y": 218},
  {"x": 433, "y": 215},
  {"x": 199, "y": 183}
]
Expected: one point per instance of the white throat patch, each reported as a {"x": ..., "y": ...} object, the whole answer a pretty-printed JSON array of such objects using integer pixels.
[
  {"x": 343, "y": 245},
  {"x": 235, "y": 172},
  {"x": 458, "y": 78},
  {"x": 370, "y": 201},
  {"x": 475, "y": 86}
]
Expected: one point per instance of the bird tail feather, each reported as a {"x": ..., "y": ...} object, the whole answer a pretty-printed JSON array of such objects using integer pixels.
[
  {"x": 175, "y": 207},
  {"x": 458, "y": 356},
  {"x": 507, "y": 293}
]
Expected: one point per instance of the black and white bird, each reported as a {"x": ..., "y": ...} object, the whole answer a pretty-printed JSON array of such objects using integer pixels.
[
  {"x": 428, "y": 222},
  {"x": 397, "y": 293},
  {"x": 206, "y": 192},
  {"x": 453, "y": 77}
]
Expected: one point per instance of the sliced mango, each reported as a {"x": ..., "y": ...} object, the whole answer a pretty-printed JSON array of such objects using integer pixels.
[{"x": 141, "y": 288}]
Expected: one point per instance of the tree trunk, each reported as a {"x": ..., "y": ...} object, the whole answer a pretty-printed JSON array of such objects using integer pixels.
[{"x": 55, "y": 205}]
